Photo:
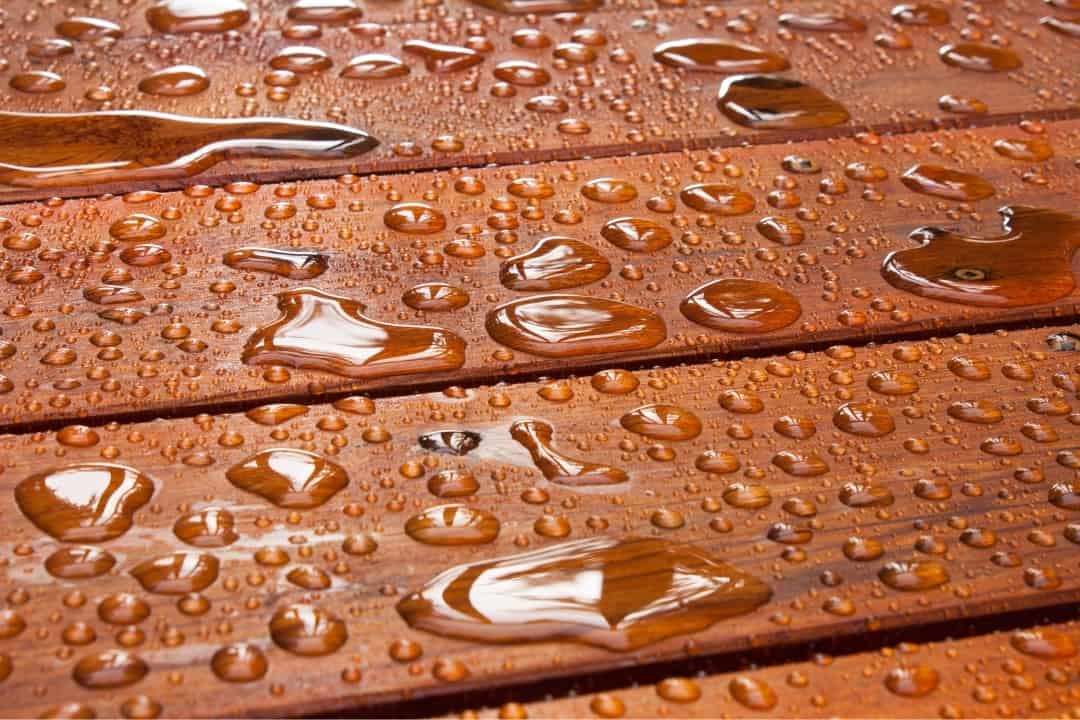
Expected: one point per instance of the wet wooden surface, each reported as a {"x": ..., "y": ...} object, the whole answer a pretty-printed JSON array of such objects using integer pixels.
[
  {"x": 620, "y": 103},
  {"x": 66, "y": 355},
  {"x": 973, "y": 490},
  {"x": 1001, "y": 673}
]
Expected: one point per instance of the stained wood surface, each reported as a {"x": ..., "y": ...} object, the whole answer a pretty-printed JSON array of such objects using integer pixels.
[
  {"x": 996, "y": 674},
  {"x": 64, "y": 360},
  {"x": 621, "y": 103},
  {"x": 999, "y": 529}
]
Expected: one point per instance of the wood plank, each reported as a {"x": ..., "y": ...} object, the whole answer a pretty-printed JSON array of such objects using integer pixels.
[
  {"x": 619, "y": 103},
  {"x": 1026, "y": 673},
  {"x": 66, "y": 355},
  {"x": 969, "y": 503}
]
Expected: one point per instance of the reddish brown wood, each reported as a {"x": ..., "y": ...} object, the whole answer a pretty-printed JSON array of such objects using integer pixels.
[
  {"x": 64, "y": 361},
  {"x": 430, "y": 120},
  {"x": 974, "y": 677},
  {"x": 1021, "y": 498}
]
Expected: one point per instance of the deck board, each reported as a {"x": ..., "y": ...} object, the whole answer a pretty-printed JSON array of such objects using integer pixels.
[
  {"x": 948, "y": 494},
  {"x": 974, "y": 677},
  {"x": 429, "y": 120},
  {"x": 66, "y": 355}
]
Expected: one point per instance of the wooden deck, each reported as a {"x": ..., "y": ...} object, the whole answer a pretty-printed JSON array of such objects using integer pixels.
[{"x": 567, "y": 359}]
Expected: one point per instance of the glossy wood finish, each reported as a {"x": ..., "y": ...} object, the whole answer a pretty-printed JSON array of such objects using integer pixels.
[
  {"x": 64, "y": 360},
  {"x": 972, "y": 485}
]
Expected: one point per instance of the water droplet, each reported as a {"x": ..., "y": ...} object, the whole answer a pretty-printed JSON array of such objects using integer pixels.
[
  {"x": 374, "y": 66},
  {"x": 669, "y": 423},
  {"x": 938, "y": 181},
  {"x": 175, "y": 81},
  {"x": 609, "y": 190},
  {"x": 612, "y": 593},
  {"x": 572, "y": 325},
  {"x": 177, "y": 574},
  {"x": 522, "y": 72},
  {"x": 451, "y": 442},
  {"x": 332, "y": 12},
  {"x": 537, "y": 437},
  {"x": 1044, "y": 643},
  {"x": 1030, "y": 150},
  {"x": 141, "y": 146},
  {"x": 307, "y": 630},
  {"x": 914, "y": 576},
  {"x": 1030, "y": 264},
  {"x": 276, "y": 413},
  {"x": 716, "y": 199},
  {"x": 79, "y": 563},
  {"x": 741, "y": 306},
  {"x": 90, "y": 503},
  {"x": 554, "y": 263},
  {"x": 289, "y": 478},
  {"x": 770, "y": 103},
  {"x": 453, "y": 484},
  {"x": 292, "y": 264},
  {"x": 823, "y": 22},
  {"x": 864, "y": 420},
  {"x": 539, "y": 7},
  {"x": 453, "y": 525},
  {"x": 239, "y": 663},
  {"x": 37, "y": 82},
  {"x": 713, "y": 55},
  {"x": 636, "y": 234},
  {"x": 88, "y": 29},
  {"x": 209, "y": 528},
  {"x": 435, "y": 297},
  {"x": 109, "y": 669},
  {"x": 443, "y": 58},
  {"x": 204, "y": 16},
  {"x": 979, "y": 57},
  {"x": 752, "y": 693},
  {"x": 912, "y": 682},
  {"x": 414, "y": 218},
  {"x": 330, "y": 333}
]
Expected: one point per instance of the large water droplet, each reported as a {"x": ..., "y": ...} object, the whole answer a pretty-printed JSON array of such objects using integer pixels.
[
  {"x": 1031, "y": 264},
  {"x": 91, "y": 502},
  {"x": 771, "y": 103},
  {"x": 741, "y": 306},
  {"x": 573, "y": 325},
  {"x": 453, "y": 525},
  {"x": 537, "y": 437},
  {"x": 289, "y": 478},
  {"x": 614, "y": 593},
  {"x": 326, "y": 332},
  {"x": 713, "y": 55},
  {"x": 203, "y": 16},
  {"x": 554, "y": 263}
]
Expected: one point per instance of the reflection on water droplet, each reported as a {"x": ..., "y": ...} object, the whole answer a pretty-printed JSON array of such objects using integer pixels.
[
  {"x": 636, "y": 234},
  {"x": 289, "y": 478},
  {"x": 717, "y": 199},
  {"x": 1030, "y": 264},
  {"x": 453, "y": 525},
  {"x": 136, "y": 146},
  {"x": 177, "y": 574},
  {"x": 109, "y": 669},
  {"x": 307, "y": 630},
  {"x": 443, "y": 58},
  {"x": 662, "y": 422},
  {"x": 713, "y": 55},
  {"x": 822, "y": 22},
  {"x": 979, "y": 57},
  {"x": 741, "y": 306},
  {"x": 914, "y": 576},
  {"x": 912, "y": 682},
  {"x": 330, "y": 333},
  {"x": 864, "y": 420},
  {"x": 374, "y": 66},
  {"x": 293, "y": 264},
  {"x": 537, "y": 437},
  {"x": 771, "y": 103},
  {"x": 91, "y": 502},
  {"x": 239, "y": 663},
  {"x": 574, "y": 325},
  {"x": 938, "y": 181},
  {"x": 435, "y": 297},
  {"x": 607, "y": 592},
  {"x": 204, "y": 16},
  {"x": 175, "y": 81},
  {"x": 554, "y": 263},
  {"x": 79, "y": 563},
  {"x": 752, "y": 693}
]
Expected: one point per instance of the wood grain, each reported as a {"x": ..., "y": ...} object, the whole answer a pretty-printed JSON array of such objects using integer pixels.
[
  {"x": 1015, "y": 500},
  {"x": 621, "y": 103},
  {"x": 62, "y": 360},
  {"x": 973, "y": 677}
]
